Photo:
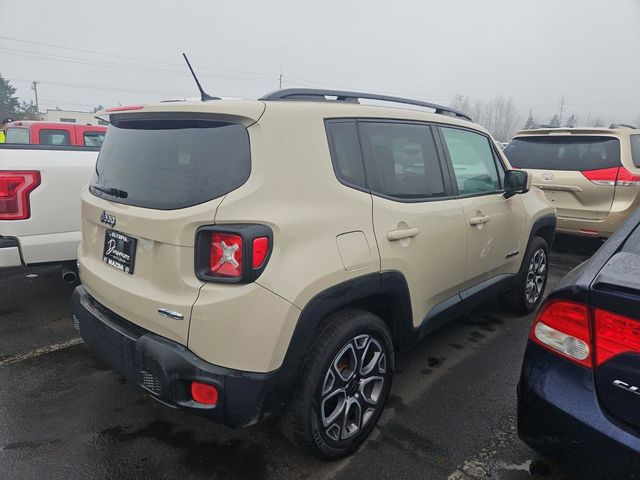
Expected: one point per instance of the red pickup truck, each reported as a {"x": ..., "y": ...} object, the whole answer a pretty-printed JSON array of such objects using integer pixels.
[{"x": 55, "y": 133}]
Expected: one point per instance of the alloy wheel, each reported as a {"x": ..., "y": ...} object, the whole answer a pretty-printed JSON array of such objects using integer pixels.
[{"x": 352, "y": 387}]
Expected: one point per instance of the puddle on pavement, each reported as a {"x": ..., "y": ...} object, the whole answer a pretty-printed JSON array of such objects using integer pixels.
[{"x": 243, "y": 459}]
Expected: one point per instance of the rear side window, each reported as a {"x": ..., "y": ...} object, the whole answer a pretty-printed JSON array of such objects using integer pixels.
[
  {"x": 345, "y": 152},
  {"x": 54, "y": 137},
  {"x": 18, "y": 135},
  {"x": 473, "y": 161},
  {"x": 579, "y": 153},
  {"x": 635, "y": 150},
  {"x": 93, "y": 139},
  {"x": 401, "y": 160},
  {"x": 168, "y": 163}
]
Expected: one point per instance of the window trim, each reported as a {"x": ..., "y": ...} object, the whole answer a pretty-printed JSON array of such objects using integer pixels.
[{"x": 454, "y": 181}]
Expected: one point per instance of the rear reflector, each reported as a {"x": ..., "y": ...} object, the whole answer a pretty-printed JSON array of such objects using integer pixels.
[
  {"x": 615, "y": 176},
  {"x": 204, "y": 393},
  {"x": 15, "y": 187},
  {"x": 563, "y": 328},
  {"x": 615, "y": 335},
  {"x": 225, "y": 258}
]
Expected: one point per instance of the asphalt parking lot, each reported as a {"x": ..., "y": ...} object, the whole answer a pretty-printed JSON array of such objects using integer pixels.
[{"x": 65, "y": 415}]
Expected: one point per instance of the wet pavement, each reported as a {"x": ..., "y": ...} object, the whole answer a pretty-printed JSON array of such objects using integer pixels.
[{"x": 64, "y": 414}]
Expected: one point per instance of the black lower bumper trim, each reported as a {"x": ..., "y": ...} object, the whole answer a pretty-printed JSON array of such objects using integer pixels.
[{"x": 165, "y": 369}]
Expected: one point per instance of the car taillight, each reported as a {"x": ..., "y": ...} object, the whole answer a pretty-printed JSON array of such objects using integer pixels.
[
  {"x": 615, "y": 334},
  {"x": 260, "y": 251},
  {"x": 615, "y": 176},
  {"x": 604, "y": 176},
  {"x": 225, "y": 257},
  {"x": 563, "y": 328},
  {"x": 15, "y": 187},
  {"x": 232, "y": 253},
  {"x": 627, "y": 179}
]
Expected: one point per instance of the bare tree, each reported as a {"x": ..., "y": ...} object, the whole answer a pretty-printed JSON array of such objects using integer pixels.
[{"x": 499, "y": 115}]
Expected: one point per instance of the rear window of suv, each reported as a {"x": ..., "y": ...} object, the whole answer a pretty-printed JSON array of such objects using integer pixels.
[
  {"x": 576, "y": 153},
  {"x": 168, "y": 163}
]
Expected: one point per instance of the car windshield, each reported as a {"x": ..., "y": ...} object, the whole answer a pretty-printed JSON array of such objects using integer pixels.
[{"x": 554, "y": 152}]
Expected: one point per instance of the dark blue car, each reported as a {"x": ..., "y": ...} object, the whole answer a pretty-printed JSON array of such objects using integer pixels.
[{"x": 579, "y": 391}]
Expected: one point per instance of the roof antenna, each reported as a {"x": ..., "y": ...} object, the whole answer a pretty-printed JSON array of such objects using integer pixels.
[{"x": 204, "y": 96}]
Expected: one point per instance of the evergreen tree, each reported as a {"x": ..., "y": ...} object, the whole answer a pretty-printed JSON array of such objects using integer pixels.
[
  {"x": 571, "y": 121},
  {"x": 555, "y": 121},
  {"x": 531, "y": 122},
  {"x": 10, "y": 104}
]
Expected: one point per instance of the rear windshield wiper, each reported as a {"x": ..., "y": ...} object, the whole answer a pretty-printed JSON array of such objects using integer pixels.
[{"x": 112, "y": 191}]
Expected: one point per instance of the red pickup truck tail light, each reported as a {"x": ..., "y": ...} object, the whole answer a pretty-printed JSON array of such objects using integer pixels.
[
  {"x": 232, "y": 253},
  {"x": 15, "y": 188}
]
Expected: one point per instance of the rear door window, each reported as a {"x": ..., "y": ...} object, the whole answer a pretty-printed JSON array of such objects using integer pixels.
[
  {"x": 577, "y": 153},
  {"x": 474, "y": 163},
  {"x": 635, "y": 150},
  {"x": 54, "y": 137},
  {"x": 93, "y": 139},
  {"x": 18, "y": 135},
  {"x": 168, "y": 162},
  {"x": 401, "y": 160}
]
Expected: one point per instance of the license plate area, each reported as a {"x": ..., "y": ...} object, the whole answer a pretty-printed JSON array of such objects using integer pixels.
[{"x": 119, "y": 251}]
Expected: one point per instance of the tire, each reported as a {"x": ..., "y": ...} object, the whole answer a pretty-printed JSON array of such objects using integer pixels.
[
  {"x": 531, "y": 280},
  {"x": 342, "y": 387}
]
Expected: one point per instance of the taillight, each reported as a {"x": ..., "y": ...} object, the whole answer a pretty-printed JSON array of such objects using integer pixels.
[
  {"x": 616, "y": 176},
  {"x": 232, "y": 253},
  {"x": 124, "y": 109},
  {"x": 627, "y": 179},
  {"x": 260, "y": 251},
  {"x": 604, "y": 176},
  {"x": 615, "y": 334},
  {"x": 225, "y": 257},
  {"x": 15, "y": 187},
  {"x": 563, "y": 327}
]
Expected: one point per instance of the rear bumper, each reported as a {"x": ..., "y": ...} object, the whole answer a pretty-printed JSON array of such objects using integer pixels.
[
  {"x": 593, "y": 228},
  {"x": 10, "y": 252},
  {"x": 165, "y": 369},
  {"x": 559, "y": 416}
]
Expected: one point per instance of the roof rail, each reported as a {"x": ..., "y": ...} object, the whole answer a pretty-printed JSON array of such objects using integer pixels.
[
  {"x": 622, "y": 125},
  {"x": 313, "y": 94}
]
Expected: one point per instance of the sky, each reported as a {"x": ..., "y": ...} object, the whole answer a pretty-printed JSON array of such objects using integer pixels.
[{"x": 86, "y": 53}]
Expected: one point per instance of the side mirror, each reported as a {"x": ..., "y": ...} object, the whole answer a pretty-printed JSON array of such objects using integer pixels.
[{"x": 516, "y": 181}]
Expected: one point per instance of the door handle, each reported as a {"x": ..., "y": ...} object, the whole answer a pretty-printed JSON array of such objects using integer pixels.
[
  {"x": 393, "y": 235},
  {"x": 479, "y": 220}
]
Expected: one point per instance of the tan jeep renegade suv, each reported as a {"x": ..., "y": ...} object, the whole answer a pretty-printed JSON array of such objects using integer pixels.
[
  {"x": 592, "y": 175},
  {"x": 246, "y": 258}
]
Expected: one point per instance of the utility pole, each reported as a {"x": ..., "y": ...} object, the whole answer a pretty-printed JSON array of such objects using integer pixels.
[
  {"x": 34, "y": 87},
  {"x": 280, "y": 79},
  {"x": 561, "y": 107}
]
